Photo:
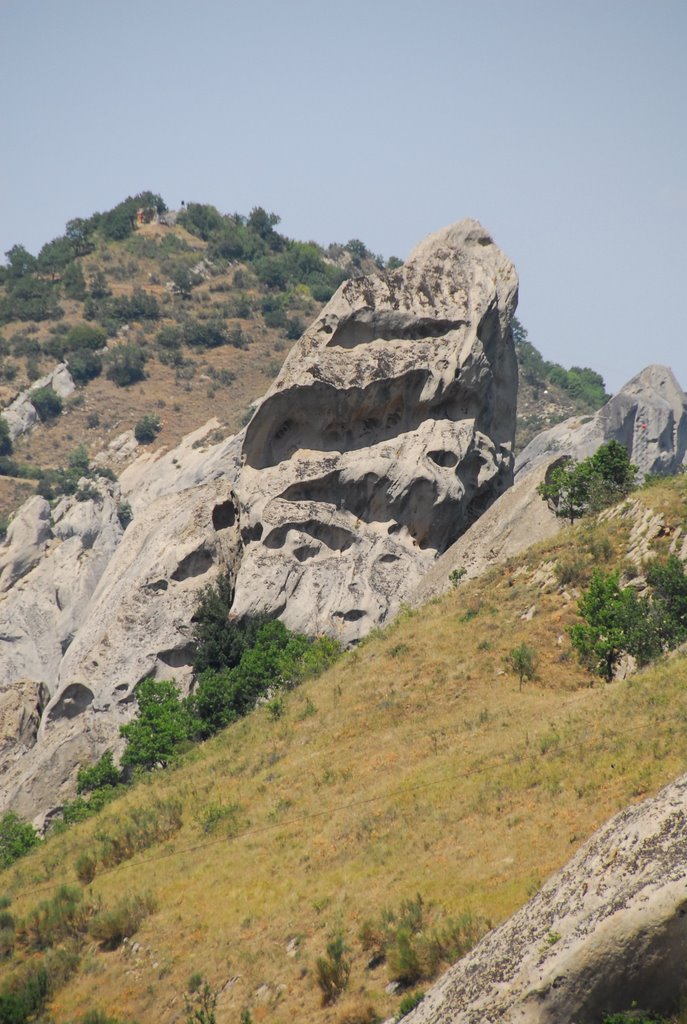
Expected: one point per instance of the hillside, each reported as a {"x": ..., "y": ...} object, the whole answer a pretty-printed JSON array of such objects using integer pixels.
[
  {"x": 417, "y": 766},
  {"x": 208, "y": 307}
]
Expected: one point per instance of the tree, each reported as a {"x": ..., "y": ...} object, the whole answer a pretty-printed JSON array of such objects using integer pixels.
[
  {"x": 184, "y": 281},
  {"x": 567, "y": 487},
  {"x": 669, "y": 599},
  {"x": 55, "y": 256},
  {"x": 73, "y": 282},
  {"x": 588, "y": 486},
  {"x": 78, "y": 232},
  {"x": 221, "y": 641},
  {"x": 523, "y": 661},
  {"x": 615, "y": 621},
  {"x": 17, "y": 837},
  {"x": 163, "y": 723},
  {"x": 20, "y": 262}
]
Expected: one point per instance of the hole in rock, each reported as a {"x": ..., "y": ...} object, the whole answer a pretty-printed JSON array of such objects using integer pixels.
[
  {"x": 388, "y": 558},
  {"x": 73, "y": 701},
  {"x": 196, "y": 563},
  {"x": 177, "y": 657},
  {"x": 364, "y": 328},
  {"x": 224, "y": 515},
  {"x": 156, "y": 586},
  {"x": 443, "y": 458}
]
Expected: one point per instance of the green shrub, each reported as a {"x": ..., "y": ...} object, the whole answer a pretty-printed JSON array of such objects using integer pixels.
[
  {"x": 142, "y": 828},
  {"x": 103, "y": 773},
  {"x": 84, "y": 366},
  {"x": 163, "y": 723},
  {"x": 86, "y": 866},
  {"x": 46, "y": 402},
  {"x": 147, "y": 428},
  {"x": 17, "y": 837},
  {"x": 6, "y": 445},
  {"x": 111, "y": 927},
  {"x": 65, "y": 916},
  {"x": 409, "y": 1002},
  {"x": 124, "y": 514},
  {"x": 126, "y": 365},
  {"x": 332, "y": 971},
  {"x": 523, "y": 661}
]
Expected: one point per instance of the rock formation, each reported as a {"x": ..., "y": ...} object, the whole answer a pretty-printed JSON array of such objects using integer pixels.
[
  {"x": 648, "y": 416},
  {"x": 606, "y": 933},
  {"x": 388, "y": 431}
]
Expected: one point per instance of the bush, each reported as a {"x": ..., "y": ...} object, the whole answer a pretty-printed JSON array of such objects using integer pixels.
[
  {"x": 103, "y": 773},
  {"x": 86, "y": 866},
  {"x": 409, "y": 1002},
  {"x": 111, "y": 927},
  {"x": 46, "y": 402},
  {"x": 333, "y": 970},
  {"x": 126, "y": 365},
  {"x": 147, "y": 428},
  {"x": 17, "y": 837},
  {"x": 63, "y": 917},
  {"x": 6, "y": 446},
  {"x": 84, "y": 366}
]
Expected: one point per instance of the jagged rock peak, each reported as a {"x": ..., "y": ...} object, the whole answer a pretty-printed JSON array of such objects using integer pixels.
[
  {"x": 648, "y": 416},
  {"x": 389, "y": 429}
]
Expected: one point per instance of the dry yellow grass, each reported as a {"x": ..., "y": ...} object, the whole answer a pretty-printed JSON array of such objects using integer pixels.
[{"x": 414, "y": 766}]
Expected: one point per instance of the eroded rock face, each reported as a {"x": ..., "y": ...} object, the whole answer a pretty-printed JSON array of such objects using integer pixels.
[
  {"x": 388, "y": 431},
  {"x": 648, "y": 416},
  {"x": 606, "y": 933}
]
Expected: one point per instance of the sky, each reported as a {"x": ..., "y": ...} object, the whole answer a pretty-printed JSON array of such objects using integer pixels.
[{"x": 559, "y": 124}]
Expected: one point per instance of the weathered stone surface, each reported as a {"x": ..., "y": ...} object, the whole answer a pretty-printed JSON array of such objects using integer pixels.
[
  {"x": 518, "y": 519},
  {"x": 607, "y": 932},
  {"x": 21, "y": 709},
  {"x": 648, "y": 416},
  {"x": 51, "y": 565},
  {"x": 138, "y": 621},
  {"x": 387, "y": 432}
]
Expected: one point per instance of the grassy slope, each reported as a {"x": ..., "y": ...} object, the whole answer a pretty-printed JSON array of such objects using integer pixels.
[{"x": 414, "y": 766}]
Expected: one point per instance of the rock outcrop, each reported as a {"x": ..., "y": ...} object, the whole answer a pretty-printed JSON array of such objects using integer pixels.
[
  {"x": 606, "y": 933},
  {"x": 388, "y": 431},
  {"x": 648, "y": 416},
  {"x": 21, "y": 414}
]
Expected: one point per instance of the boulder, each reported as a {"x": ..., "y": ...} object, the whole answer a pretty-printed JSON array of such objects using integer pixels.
[{"x": 606, "y": 933}]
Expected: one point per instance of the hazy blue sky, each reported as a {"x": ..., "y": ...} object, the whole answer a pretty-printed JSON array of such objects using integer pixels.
[{"x": 560, "y": 124}]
